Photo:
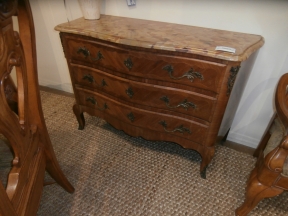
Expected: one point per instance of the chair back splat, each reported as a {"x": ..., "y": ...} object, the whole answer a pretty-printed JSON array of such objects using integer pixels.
[{"x": 21, "y": 116}]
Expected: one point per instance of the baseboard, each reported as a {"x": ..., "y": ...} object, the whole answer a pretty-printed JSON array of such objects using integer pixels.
[
  {"x": 56, "y": 91},
  {"x": 243, "y": 140},
  {"x": 66, "y": 87},
  {"x": 239, "y": 147}
]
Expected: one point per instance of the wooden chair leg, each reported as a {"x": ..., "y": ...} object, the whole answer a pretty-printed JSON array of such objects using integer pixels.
[
  {"x": 255, "y": 192},
  {"x": 6, "y": 207},
  {"x": 265, "y": 138},
  {"x": 262, "y": 144}
]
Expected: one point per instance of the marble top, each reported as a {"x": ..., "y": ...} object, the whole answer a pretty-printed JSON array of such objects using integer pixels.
[{"x": 166, "y": 36}]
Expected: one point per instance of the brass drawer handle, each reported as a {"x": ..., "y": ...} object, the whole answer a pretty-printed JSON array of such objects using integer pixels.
[
  {"x": 191, "y": 74},
  {"x": 128, "y": 63},
  {"x": 185, "y": 104},
  {"x": 180, "y": 129},
  {"x": 91, "y": 79},
  {"x": 86, "y": 53},
  {"x": 131, "y": 116},
  {"x": 94, "y": 102},
  {"x": 129, "y": 92}
]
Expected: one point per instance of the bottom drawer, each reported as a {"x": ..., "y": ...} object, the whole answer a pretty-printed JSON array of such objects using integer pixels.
[{"x": 143, "y": 118}]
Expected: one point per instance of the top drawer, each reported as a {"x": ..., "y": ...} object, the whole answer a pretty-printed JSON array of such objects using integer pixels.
[{"x": 185, "y": 71}]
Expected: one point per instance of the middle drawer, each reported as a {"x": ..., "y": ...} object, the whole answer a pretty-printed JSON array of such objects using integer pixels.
[{"x": 175, "y": 100}]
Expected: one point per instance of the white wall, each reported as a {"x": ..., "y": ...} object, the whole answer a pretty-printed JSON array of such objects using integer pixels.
[{"x": 267, "y": 18}]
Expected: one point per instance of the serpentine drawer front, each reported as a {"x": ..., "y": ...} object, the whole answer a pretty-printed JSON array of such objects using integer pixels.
[
  {"x": 175, "y": 100},
  {"x": 143, "y": 118},
  {"x": 191, "y": 72},
  {"x": 171, "y": 87}
]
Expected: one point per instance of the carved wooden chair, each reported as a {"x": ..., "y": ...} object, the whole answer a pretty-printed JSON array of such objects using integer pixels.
[
  {"x": 270, "y": 175},
  {"x": 21, "y": 117}
]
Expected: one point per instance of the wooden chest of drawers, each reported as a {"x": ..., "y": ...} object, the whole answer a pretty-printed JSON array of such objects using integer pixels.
[{"x": 156, "y": 80}]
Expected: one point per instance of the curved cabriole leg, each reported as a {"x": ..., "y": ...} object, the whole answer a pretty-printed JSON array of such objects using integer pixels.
[
  {"x": 80, "y": 117},
  {"x": 255, "y": 192},
  {"x": 262, "y": 144},
  {"x": 207, "y": 156}
]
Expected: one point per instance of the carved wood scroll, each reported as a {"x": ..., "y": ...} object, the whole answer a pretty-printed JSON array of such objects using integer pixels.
[{"x": 21, "y": 117}]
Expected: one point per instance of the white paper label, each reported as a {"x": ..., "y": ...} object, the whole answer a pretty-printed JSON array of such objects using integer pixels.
[
  {"x": 226, "y": 49},
  {"x": 131, "y": 2}
]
